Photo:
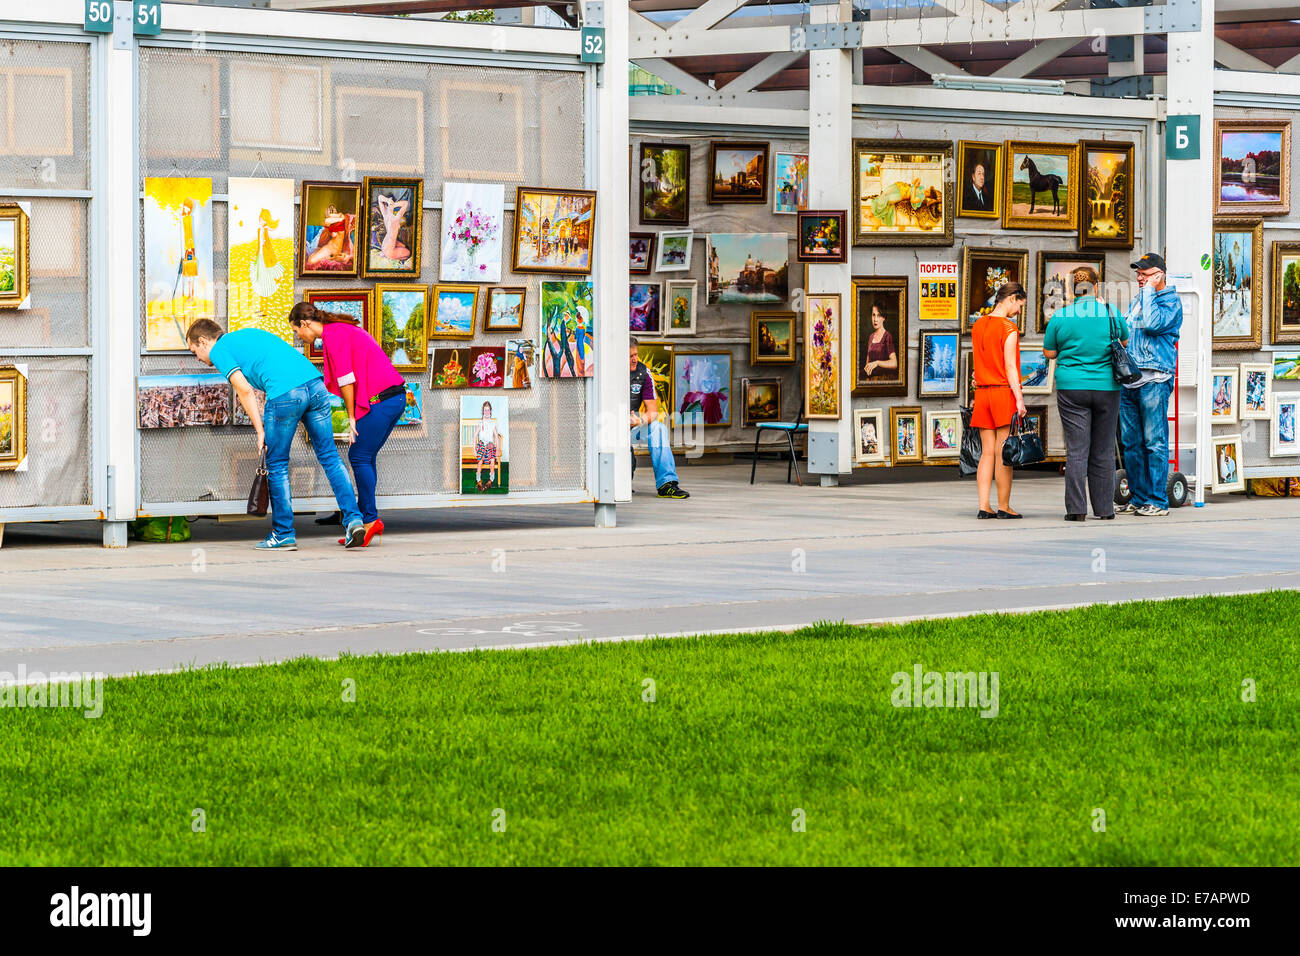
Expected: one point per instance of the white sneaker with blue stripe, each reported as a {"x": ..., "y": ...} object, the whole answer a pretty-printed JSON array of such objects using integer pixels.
[{"x": 272, "y": 543}]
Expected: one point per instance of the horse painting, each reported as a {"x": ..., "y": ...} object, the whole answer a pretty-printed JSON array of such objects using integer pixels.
[{"x": 1038, "y": 183}]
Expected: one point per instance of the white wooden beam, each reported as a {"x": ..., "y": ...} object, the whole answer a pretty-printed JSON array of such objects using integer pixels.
[
  {"x": 762, "y": 71},
  {"x": 686, "y": 82},
  {"x": 706, "y": 15},
  {"x": 690, "y": 111},
  {"x": 1080, "y": 107},
  {"x": 1036, "y": 58},
  {"x": 1237, "y": 59},
  {"x": 1265, "y": 84},
  {"x": 927, "y": 61}
]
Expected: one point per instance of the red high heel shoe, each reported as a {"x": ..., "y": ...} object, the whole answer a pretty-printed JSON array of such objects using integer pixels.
[{"x": 376, "y": 530}]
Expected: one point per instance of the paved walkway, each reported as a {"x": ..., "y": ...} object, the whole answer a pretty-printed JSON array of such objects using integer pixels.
[{"x": 732, "y": 557}]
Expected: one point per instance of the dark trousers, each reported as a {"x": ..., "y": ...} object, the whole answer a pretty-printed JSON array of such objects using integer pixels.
[
  {"x": 1088, "y": 418},
  {"x": 373, "y": 429}
]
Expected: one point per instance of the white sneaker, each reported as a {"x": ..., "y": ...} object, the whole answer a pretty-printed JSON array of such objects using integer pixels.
[
  {"x": 1151, "y": 511},
  {"x": 1128, "y": 509}
]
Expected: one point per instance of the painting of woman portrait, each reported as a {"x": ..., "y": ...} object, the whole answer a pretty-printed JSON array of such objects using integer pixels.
[
  {"x": 393, "y": 212},
  {"x": 880, "y": 335},
  {"x": 328, "y": 227}
]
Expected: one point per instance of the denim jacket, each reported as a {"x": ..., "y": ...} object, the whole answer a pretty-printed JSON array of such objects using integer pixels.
[{"x": 1155, "y": 320}]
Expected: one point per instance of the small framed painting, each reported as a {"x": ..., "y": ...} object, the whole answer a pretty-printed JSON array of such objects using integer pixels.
[
  {"x": 645, "y": 305},
  {"x": 394, "y": 212},
  {"x": 554, "y": 230},
  {"x": 771, "y": 338},
  {"x": 1286, "y": 366},
  {"x": 454, "y": 308},
  {"x": 1223, "y": 395},
  {"x": 1106, "y": 196},
  {"x": 675, "y": 250},
  {"x": 1237, "y": 304},
  {"x": 1226, "y": 453},
  {"x": 823, "y": 336},
  {"x": 868, "y": 435},
  {"x": 943, "y": 434},
  {"x": 968, "y": 377},
  {"x": 13, "y": 417},
  {"x": 450, "y": 368},
  {"x": 15, "y": 255},
  {"x": 505, "y": 308},
  {"x": 521, "y": 354},
  {"x": 982, "y": 273},
  {"x": 820, "y": 234},
  {"x": 905, "y": 434},
  {"x": 641, "y": 251},
  {"x": 1286, "y": 292},
  {"x": 681, "y": 296},
  {"x": 1035, "y": 371},
  {"x": 1060, "y": 281},
  {"x": 354, "y": 303},
  {"x": 401, "y": 325},
  {"x": 902, "y": 193},
  {"x": 1036, "y": 418},
  {"x": 980, "y": 196},
  {"x": 1282, "y": 439},
  {"x": 762, "y": 398},
  {"x": 327, "y": 230},
  {"x": 790, "y": 178},
  {"x": 665, "y": 174},
  {"x": 737, "y": 173},
  {"x": 1252, "y": 175},
  {"x": 1039, "y": 185},
  {"x": 937, "y": 360},
  {"x": 1256, "y": 385}
]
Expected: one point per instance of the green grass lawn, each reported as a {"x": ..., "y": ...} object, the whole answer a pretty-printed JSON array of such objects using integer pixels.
[{"x": 1134, "y": 709}]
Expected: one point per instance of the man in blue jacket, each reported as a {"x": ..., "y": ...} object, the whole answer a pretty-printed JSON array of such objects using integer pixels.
[{"x": 1155, "y": 318}]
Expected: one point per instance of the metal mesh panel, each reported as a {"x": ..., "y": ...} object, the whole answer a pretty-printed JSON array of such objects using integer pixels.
[
  {"x": 43, "y": 115},
  {"x": 488, "y": 125},
  {"x": 58, "y": 436},
  {"x": 60, "y": 265}
]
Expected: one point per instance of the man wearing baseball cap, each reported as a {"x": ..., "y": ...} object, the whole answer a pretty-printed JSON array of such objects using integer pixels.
[{"x": 1155, "y": 319}]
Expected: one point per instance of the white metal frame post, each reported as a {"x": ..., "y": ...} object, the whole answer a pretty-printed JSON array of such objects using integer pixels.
[
  {"x": 830, "y": 148},
  {"x": 1189, "y": 227}
]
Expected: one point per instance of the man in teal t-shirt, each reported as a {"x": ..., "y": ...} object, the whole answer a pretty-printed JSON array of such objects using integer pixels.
[
  {"x": 1087, "y": 395},
  {"x": 295, "y": 392}
]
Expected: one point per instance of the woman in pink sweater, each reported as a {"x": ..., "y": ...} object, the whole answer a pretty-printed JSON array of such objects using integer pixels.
[{"x": 373, "y": 393}]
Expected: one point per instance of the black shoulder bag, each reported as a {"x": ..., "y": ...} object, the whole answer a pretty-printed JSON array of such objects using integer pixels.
[
  {"x": 1023, "y": 446},
  {"x": 1121, "y": 362}
]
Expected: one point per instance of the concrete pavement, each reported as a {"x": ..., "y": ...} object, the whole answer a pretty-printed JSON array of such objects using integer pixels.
[{"x": 732, "y": 557}]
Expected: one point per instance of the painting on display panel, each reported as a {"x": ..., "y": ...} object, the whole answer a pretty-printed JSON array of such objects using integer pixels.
[
  {"x": 394, "y": 210},
  {"x": 737, "y": 172},
  {"x": 402, "y": 324},
  {"x": 1226, "y": 452},
  {"x": 980, "y": 195},
  {"x": 905, "y": 423},
  {"x": 566, "y": 329},
  {"x": 472, "y": 217},
  {"x": 762, "y": 400},
  {"x": 681, "y": 297},
  {"x": 13, "y": 418},
  {"x": 1252, "y": 175},
  {"x": 640, "y": 253},
  {"x": 772, "y": 338},
  {"x": 645, "y": 307},
  {"x": 260, "y": 235},
  {"x": 790, "y": 182},
  {"x": 702, "y": 387},
  {"x": 1286, "y": 292},
  {"x": 823, "y": 343},
  {"x": 1040, "y": 185},
  {"x": 554, "y": 230},
  {"x": 484, "y": 445},
  {"x": 1283, "y": 439},
  {"x": 1060, "y": 283},
  {"x": 902, "y": 193},
  {"x": 178, "y": 277},
  {"x": 1106, "y": 196},
  {"x": 868, "y": 435},
  {"x": 879, "y": 335},
  {"x": 354, "y": 303},
  {"x": 1256, "y": 384},
  {"x": 665, "y": 175},
  {"x": 983, "y": 272},
  {"x": 327, "y": 230},
  {"x": 1237, "y": 303},
  {"x": 180, "y": 401},
  {"x": 15, "y": 257},
  {"x": 745, "y": 267}
]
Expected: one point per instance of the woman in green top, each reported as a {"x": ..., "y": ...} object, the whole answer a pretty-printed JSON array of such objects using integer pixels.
[{"x": 1087, "y": 395}]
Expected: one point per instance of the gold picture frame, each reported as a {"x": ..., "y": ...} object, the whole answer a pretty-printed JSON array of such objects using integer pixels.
[
  {"x": 1278, "y": 206},
  {"x": 420, "y": 360},
  {"x": 893, "y": 207},
  {"x": 897, "y": 414},
  {"x": 15, "y": 259},
  {"x": 544, "y": 261},
  {"x": 366, "y": 223},
  {"x": 1106, "y": 221},
  {"x": 1286, "y": 257},
  {"x": 971, "y": 153},
  {"x": 13, "y": 439},
  {"x": 888, "y": 295},
  {"x": 823, "y": 337},
  {"x": 773, "y": 354},
  {"x": 1228, "y": 282},
  {"x": 1049, "y": 185},
  {"x": 1017, "y": 263},
  {"x": 435, "y": 303}
]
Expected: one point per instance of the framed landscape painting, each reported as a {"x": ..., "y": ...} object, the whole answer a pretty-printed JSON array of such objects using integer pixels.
[
  {"x": 394, "y": 211},
  {"x": 401, "y": 324},
  {"x": 1035, "y": 371},
  {"x": 327, "y": 230},
  {"x": 905, "y": 435},
  {"x": 980, "y": 192},
  {"x": 823, "y": 337},
  {"x": 879, "y": 344},
  {"x": 1106, "y": 196},
  {"x": 983, "y": 271},
  {"x": 1252, "y": 175},
  {"x": 790, "y": 179},
  {"x": 748, "y": 267},
  {"x": 1237, "y": 303},
  {"x": 453, "y": 310},
  {"x": 665, "y": 176},
  {"x": 180, "y": 401},
  {"x": 737, "y": 172},
  {"x": 771, "y": 338},
  {"x": 554, "y": 229},
  {"x": 505, "y": 308},
  {"x": 868, "y": 435},
  {"x": 15, "y": 255},
  {"x": 902, "y": 195},
  {"x": 1059, "y": 286},
  {"x": 761, "y": 400},
  {"x": 1286, "y": 292},
  {"x": 681, "y": 296},
  {"x": 13, "y": 418},
  {"x": 819, "y": 236},
  {"x": 1040, "y": 182},
  {"x": 937, "y": 358},
  {"x": 675, "y": 250},
  {"x": 702, "y": 387}
]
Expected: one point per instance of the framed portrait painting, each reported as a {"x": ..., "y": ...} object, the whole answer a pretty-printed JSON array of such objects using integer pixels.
[
  {"x": 327, "y": 230},
  {"x": 868, "y": 435},
  {"x": 771, "y": 338},
  {"x": 15, "y": 255},
  {"x": 879, "y": 339},
  {"x": 401, "y": 324},
  {"x": 680, "y": 297},
  {"x": 1039, "y": 185},
  {"x": 554, "y": 230},
  {"x": 702, "y": 388},
  {"x": 1223, "y": 395},
  {"x": 665, "y": 177},
  {"x": 394, "y": 211},
  {"x": 1282, "y": 437},
  {"x": 762, "y": 400},
  {"x": 790, "y": 182},
  {"x": 1256, "y": 390},
  {"x": 354, "y": 303},
  {"x": 1059, "y": 281},
  {"x": 1106, "y": 196},
  {"x": 453, "y": 309},
  {"x": 983, "y": 271},
  {"x": 901, "y": 193},
  {"x": 1225, "y": 450},
  {"x": 1252, "y": 172},
  {"x": 905, "y": 434},
  {"x": 937, "y": 361},
  {"x": 1237, "y": 302},
  {"x": 980, "y": 192},
  {"x": 645, "y": 307},
  {"x": 640, "y": 253},
  {"x": 505, "y": 308},
  {"x": 737, "y": 172},
  {"x": 13, "y": 417},
  {"x": 943, "y": 434},
  {"x": 1286, "y": 292},
  {"x": 819, "y": 236},
  {"x": 823, "y": 336},
  {"x": 675, "y": 250}
]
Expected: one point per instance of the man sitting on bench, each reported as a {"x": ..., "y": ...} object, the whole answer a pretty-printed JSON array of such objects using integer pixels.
[{"x": 646, "y": 427}]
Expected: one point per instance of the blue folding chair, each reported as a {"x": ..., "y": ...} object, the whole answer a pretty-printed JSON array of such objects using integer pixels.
[{"x": 790, "y": 429}]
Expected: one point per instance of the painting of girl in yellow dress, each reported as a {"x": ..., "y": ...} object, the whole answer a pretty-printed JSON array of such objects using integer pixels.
[
  {"x": 260, "y": 230},
  {"x": 177, "y": 258}
]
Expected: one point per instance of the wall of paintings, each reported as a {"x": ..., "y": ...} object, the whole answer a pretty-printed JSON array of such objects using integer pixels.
[
  {"x": 319, "y": 179},
  {"x": 1255, "y": 379},
  {"x": 46, "y": 396}
]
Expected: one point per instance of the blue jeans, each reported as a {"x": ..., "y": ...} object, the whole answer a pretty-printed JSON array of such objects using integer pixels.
[
  {"x": 1144, "y": 433},
  {"x": 656, "y": 436},
  {"x": 373, "y": 429},
  {"x": 309, "y": 404}
]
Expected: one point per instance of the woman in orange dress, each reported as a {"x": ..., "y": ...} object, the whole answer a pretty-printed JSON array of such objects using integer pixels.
[{"x": 995, "y": 339}]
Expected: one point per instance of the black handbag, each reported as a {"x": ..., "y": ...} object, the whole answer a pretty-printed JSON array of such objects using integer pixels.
[
  {"x": 1023, "y": 446},
  {"x": 259, "y": 496},
  {"x": 1121, "y": 362}
]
